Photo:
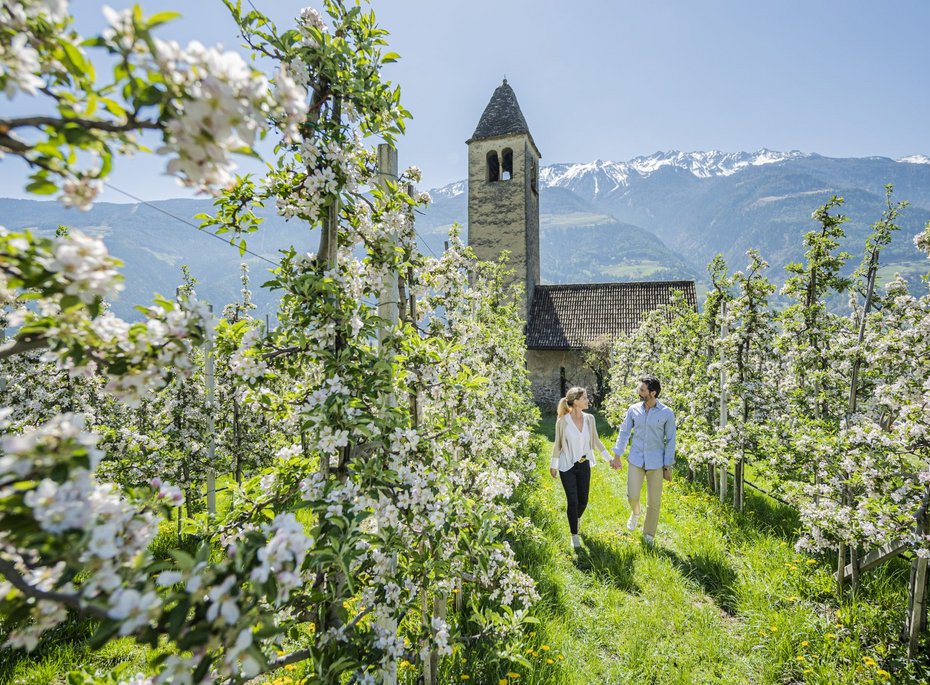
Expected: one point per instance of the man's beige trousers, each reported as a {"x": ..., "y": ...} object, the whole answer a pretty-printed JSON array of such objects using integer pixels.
[{"x": 634, "y": 488}]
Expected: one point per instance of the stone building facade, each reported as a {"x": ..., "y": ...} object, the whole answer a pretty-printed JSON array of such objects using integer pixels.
[{"x": 503, "y": 214}]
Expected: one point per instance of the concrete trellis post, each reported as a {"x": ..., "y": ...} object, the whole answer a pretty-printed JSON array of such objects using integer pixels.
[
  {"x": 211, "y": 426},
  {"x": 389, "y": 311},
  {"x": 722, "y": 471}
]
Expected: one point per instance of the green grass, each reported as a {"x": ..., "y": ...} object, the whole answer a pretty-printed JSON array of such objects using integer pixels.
[{"x": 722, "y": 598}]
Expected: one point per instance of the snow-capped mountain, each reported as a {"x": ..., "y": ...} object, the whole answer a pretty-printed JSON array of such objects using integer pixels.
[
  {"x": 915, "y": 159},
  {"x": 607, "y": 176},
  {"x": 449, "y": 191}
]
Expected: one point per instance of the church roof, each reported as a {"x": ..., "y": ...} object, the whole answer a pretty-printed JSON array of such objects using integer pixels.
[
  {"x": 565, "y": 317},
  {"x": 502, "y": 116}
]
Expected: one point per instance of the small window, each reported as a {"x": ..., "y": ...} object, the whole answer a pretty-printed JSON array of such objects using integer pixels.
[
  {"x": 508, "y": 164},
  {"x": 494, "y": 167},
  {"x": 534, "y": 184}
]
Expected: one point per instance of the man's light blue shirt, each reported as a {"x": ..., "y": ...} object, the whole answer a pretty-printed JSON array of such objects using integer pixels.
[{"x": 653, "y": 444}]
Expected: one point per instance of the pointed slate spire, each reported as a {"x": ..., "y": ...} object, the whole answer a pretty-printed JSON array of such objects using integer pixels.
[{"x": 502, "y": 116}]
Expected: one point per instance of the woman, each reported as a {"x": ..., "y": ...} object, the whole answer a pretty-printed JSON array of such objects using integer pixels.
[{"x": 573, "y": 454}]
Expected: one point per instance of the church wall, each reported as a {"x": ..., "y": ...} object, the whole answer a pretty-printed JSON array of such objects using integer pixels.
[{"x": 544, "y": 365}]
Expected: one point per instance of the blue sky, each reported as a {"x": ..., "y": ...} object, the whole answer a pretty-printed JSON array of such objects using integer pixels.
[{"x": 621, "y": 78}]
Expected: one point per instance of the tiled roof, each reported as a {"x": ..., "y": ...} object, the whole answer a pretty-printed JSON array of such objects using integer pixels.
[
  {"x": 502, "y": 116},
  {"x": 565, "y": 317}
]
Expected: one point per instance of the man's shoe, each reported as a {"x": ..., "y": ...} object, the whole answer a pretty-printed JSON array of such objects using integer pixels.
[
  {"x": 649, "y": 540},
  {"x": 576, "y": 541},
  {"x": 632, "y": 522}
]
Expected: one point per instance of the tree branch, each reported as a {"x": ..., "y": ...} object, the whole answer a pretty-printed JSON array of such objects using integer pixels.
[
  {"x": 72, "y": 601},
  {"x": 93, "y": 124},
  {"x": 21, "y": 345}
]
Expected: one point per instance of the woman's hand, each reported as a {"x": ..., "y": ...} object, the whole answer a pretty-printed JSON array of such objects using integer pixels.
[{"x": 554, "y": 472}]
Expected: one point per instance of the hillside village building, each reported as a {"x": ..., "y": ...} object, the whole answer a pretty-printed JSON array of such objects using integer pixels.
[{"x": 503, "y": 214}]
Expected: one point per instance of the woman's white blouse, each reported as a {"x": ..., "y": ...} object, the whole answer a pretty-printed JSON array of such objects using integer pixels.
[{"x": 575, "y": 444}]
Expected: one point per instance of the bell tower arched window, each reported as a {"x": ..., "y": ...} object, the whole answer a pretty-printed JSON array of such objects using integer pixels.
[
  {"x": 507, "y": 164},
  {"x": 494, "y": 166}
]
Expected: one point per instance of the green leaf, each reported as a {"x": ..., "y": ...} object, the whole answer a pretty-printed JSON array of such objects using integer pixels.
[
  {"x": 113, "y": 107},
  {"x": 42, "y": 187},
  {"x": 162, "y": 18},
  {"x": 79, "y": 65}
]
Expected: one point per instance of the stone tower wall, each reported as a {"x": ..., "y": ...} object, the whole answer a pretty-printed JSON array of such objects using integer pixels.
[{"x": 504, "y": 214}]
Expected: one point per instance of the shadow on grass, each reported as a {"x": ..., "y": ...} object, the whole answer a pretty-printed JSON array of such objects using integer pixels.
[
  {"x": 612, "y": 562},
  {"x": 761, "y": 513},
  {"x": 716, "y": 578}
]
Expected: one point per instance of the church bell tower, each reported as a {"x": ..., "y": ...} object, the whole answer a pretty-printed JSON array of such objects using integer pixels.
[{"x": 503, "y": 190}]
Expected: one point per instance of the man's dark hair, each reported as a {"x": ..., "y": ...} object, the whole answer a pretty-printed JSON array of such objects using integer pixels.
[{"x": 652, "y": 383}]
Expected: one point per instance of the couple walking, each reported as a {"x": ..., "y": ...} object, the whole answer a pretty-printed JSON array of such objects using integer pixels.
[{"x": 651, "y": 455}]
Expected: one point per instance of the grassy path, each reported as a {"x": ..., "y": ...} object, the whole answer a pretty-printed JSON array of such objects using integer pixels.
[{"x": 721, "y": 598}]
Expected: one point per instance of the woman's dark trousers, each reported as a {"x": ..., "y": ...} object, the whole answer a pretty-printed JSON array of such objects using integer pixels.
[{"x": 577, "y": 482}]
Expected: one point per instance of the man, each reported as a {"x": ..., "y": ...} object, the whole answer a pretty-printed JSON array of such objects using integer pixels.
[{"x": 652, "y": 453}]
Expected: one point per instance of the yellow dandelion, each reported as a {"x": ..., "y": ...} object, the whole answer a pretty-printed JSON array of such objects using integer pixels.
[
  {"x": 869, "y": 661},
  {"x": 561, "y": 657},
  {"x": 774, "y": 629},
  {"x": 502, "y": 681},
  {"x": 550, "y": 661},
  {"x": 811, "y": 562},
  {"x": 805, "y": 643},
  {"x": 830, "y": 636},
  {"x": 545, "y": 648},
  {"x": 808, "y": 670},
  {"x": 513, "y": 676},
  {"x": 800, "y": 657},
  {"x": 464, "y": 676},
  {"x": 290, "y": 667},
  {"x": 792, "y": 567},
  {"x": 883, "y": 674}
]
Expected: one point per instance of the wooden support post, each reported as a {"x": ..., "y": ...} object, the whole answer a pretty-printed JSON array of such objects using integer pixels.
[
  {"x": 877, "y": 556},
  {"x": 429, "y": 678},
  {"x": 916, "y": 620},
  {"x": 440, "y": 605},
  {"x": 917, "y": 605},
  {"x": 856, "y": 568},
  {"x": 739, "y": 483},
  {"x": 723, "y": 472},
  {"x": 841, "y": 570}
]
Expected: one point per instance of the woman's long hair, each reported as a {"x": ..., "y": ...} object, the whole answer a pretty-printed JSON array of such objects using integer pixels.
[{"x": 565, "y": 404}]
